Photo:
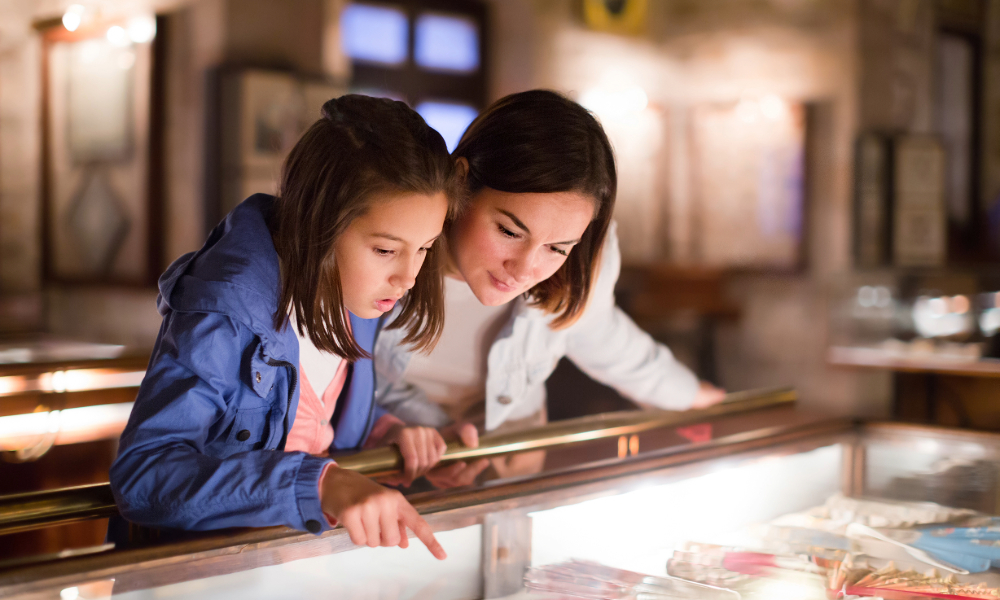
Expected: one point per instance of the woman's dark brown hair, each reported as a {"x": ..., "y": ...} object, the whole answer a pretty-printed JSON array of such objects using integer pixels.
[
  {"x": 362, "y": 148},
  {"x": 540, "y": 142}
]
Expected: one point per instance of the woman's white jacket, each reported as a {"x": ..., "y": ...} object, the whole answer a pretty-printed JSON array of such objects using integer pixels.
[{"x": 604, "y": 343}]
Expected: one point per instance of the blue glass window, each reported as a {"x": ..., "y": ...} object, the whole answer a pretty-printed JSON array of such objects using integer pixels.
[
  {"x": 447, "y": 43},
  {"x": 375, "y": 33},
  {"x": 450, "y": 120}
]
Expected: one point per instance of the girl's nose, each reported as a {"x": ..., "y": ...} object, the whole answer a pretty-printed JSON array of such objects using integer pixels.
[{"x": 406, "y": 276}]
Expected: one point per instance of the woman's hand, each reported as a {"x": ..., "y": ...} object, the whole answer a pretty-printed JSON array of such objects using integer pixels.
[
  {"x": 373, "y": 515},
  {"x": 421, "y": 447},
  {"x": 708, "y": 395},
  {"x": 460, "y": 473}
]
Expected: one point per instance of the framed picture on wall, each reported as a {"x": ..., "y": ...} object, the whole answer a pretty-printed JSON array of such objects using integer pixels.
[
  {"x": 266, "y": 112},
  {"x": 100, "y": 161},
  {"x": 871, "y": 200},
  {"x": 747, "y": 165},
  {"x": 919, "y": 219}
]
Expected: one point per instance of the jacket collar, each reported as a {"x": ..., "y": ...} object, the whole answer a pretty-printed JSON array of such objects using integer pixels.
[{"x": 236, "y": 273}]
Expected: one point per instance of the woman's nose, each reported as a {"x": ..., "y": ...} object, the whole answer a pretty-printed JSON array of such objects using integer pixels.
[{"x": 521, "y": 266}]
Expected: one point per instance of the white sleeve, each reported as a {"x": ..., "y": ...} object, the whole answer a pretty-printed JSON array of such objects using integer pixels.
[{"x": 608, "y": 346}]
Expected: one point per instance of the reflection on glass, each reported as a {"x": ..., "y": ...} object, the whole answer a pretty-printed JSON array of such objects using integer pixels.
[
  {"x": 375, "y": 33},
  {"x": 450, "y": 120},
  {"x": 448, "y": 43},
  {"x": 942, "y": 316}
]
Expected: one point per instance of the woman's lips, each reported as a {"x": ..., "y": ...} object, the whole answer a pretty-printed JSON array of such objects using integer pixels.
[
  {"x": 503, "y": 287},
  {"x": 385, "y": 304}
]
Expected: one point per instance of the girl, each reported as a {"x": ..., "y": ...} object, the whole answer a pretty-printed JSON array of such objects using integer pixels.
[
  {"x": 533, "y": 260},
  {"x": 363, "y": 197}
]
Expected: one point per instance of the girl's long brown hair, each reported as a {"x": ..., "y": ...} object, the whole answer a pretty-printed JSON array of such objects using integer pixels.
[
  {"x": 360, "y": 149},
  {"x": 540, "y": 142}
]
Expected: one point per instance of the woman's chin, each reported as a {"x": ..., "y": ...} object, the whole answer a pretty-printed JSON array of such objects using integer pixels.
[{"x": 489, "y": 295}]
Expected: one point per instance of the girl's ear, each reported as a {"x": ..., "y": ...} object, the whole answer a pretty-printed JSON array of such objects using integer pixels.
[{"x": 462, "y": 167}]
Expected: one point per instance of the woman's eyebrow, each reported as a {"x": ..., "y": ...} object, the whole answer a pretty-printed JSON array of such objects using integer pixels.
[
  {"x": 517, "y": 221},
  {"x": 389, "y": 236}
]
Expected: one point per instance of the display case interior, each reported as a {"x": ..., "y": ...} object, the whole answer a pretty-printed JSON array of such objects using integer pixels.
[{"x": 637, "y": 513}]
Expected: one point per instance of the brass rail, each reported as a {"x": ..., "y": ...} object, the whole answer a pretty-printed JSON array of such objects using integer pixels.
[{"x": 35, "y": 510}]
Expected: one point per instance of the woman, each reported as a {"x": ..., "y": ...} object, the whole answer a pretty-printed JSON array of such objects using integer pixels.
[{"x": 533, "y": 260}]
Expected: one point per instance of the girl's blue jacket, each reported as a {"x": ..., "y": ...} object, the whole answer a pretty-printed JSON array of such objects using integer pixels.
[{"x": 203, "y": 448}]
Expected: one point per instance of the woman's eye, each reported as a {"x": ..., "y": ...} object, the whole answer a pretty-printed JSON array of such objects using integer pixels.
[
  {"x": 507, "y": 232},
  {"x": 559, "y": 250},
  {"x": 383, "y": 252},
  {"x": 425, "y": 249}
]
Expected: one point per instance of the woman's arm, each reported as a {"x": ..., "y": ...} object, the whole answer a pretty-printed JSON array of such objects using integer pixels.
[
  {"x": 608, "y": 346},
  {"x": 164, "y": 478}
]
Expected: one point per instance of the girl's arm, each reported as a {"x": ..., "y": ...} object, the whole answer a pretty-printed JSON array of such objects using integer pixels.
[
  {"x": 607, "y": 345},
  {"x": 169, "y": 472}
]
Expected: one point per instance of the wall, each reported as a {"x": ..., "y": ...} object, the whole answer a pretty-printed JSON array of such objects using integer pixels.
[{"x": 203, "y": 35}]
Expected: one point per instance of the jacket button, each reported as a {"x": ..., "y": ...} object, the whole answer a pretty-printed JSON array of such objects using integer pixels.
[
  {"x": 258, "y": 376},
  {"x": 505, "y": 400},
  {"x": 243, "y": 435},
  {"x": 313, "y": 526}
]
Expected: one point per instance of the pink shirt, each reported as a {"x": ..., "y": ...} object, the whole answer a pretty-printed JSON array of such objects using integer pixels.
[{"x": 311, "y": 431}]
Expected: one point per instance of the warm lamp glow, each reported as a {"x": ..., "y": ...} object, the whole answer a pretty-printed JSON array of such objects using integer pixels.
[
  {"x": 73, "y": 17},
  {"x": 142, "y": 29},
  {"x": 118, "y": 36}
]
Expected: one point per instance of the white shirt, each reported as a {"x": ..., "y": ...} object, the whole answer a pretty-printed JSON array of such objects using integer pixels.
[
  {"x": 453, "y": 375},
  {"x": 319, "y": 366},
  {"x": 605, "y": 343}
]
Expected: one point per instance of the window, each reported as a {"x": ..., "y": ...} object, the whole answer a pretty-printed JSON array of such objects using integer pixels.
[
  {"x": 375, "y": 34},
  {"x": 427, "y": 53}
]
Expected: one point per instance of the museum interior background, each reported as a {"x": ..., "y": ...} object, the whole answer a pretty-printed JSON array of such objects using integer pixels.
[{"x": 808, "y": 188}]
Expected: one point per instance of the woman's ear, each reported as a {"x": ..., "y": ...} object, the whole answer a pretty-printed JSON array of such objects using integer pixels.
[{"x": 462, "y": 167}]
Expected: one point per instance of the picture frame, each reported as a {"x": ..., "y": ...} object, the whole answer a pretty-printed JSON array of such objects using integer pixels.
[
  {"x": 266, "y": 113},
  {"x": 919, "y": 212},
  {"x": 748, "y": 168},
  {"x": 101, "y": 188}
]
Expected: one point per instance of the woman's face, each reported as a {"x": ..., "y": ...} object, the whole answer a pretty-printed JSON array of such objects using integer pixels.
[{"x": 503, "y": 243}]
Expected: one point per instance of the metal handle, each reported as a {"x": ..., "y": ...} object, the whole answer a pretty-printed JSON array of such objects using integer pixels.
[
  {"x": 34, "y": 510},
  {"x": 383, "y": 461}
]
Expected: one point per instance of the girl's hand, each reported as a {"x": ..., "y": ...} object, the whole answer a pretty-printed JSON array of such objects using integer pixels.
[
  {"x": 461, "y": 473},
  {"x": 421, "y": 447},
  {"x": 373, "y": 515}
]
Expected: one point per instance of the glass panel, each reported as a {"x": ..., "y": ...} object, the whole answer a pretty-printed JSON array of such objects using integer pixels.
[
  {"x": 710, "y": 508},
  {"x": 952, "y": 472},
  {"x": 375, "y": 33},
  {"x": 359, "y": 574},
  {"x": 450, "y": 120},
  {"x": 447, "y": 42}
]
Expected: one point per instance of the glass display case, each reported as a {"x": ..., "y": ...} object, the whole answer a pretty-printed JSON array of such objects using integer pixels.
[{"x": 632, "y": 512}]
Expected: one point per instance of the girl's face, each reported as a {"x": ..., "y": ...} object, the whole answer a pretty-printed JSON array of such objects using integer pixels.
[
  {"x": 503, "y": 244},
  {"x": 381, "y": 252}
]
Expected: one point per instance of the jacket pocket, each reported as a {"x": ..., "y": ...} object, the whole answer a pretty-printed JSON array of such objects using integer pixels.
[{"x": 249, "y": 429}]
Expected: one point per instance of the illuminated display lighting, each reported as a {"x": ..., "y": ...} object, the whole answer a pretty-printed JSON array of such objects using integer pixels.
[
  {"x": 69, "y": 426},
  {"x": 78, "y": 380}
]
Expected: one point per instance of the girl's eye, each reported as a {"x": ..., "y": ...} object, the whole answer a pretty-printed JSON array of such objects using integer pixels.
[
  {"x": 383, "y": 252},
  {"x": 425, "y": 249},
  {"x": 507, "y": 232},
  {"x": 558, "y": 250}
]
